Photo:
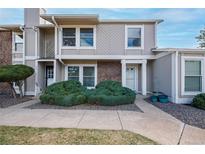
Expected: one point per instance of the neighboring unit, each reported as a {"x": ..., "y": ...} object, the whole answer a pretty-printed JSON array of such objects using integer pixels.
[{"x": 85, "y": 48}]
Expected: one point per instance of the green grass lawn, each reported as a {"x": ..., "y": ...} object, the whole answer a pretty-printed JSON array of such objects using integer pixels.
[{"x": 29, "y": 135}]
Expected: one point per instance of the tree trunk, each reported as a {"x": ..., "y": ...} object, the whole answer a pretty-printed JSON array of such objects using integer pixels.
[
  {"x": 12, "y": 90},
  {"x": 20, "y": 84}
]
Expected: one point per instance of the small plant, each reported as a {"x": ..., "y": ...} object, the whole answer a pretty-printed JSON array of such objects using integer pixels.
[{"x": 199, "y": 101}]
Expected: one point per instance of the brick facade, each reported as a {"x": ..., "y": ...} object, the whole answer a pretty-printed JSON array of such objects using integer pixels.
[
  {"x": 5, "y": 55},
  {"x": 109, "y": 70}
]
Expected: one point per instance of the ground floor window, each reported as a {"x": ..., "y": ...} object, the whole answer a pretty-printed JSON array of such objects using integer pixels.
[
  {"x": 193, "y": 75},
  {"x": 73, "y": 73},
  {"x": 86, "y": 74},
  {"x": 89, "y": 76}
]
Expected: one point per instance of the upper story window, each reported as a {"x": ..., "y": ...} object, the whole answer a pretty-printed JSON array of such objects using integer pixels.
[
  {"x": 134, "y": 37},
  {"x": 69, "y": 37},
  {"x": 18, "y": 43},
  {"x": 79, "y": 37},
  {"x": 86, "y": 37}
]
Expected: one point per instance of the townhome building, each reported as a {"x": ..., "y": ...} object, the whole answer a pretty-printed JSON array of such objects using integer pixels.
[{"x": 89, "y": 49}]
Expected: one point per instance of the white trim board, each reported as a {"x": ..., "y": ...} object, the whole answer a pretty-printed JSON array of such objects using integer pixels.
[
  {"x": 108, "y": 57},
  {"x": 30, "y": 57},
  {"x": 30, "y": 93},
  {"x": 112, "y": 57},
  {"x": 184, "y": 101}
]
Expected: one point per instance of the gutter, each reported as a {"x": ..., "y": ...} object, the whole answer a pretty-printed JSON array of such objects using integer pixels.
[
  {"x": 22, "y": 28},
  {"x": 59, "y": 57}
]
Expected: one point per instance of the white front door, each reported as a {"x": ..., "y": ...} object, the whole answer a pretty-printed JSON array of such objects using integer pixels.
[
  {"x": 49, "y": 75},
  {"x": 131, "y": 76}
]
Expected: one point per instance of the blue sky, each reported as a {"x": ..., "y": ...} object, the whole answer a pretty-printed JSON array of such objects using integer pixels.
[{"x": 179, "y": 29}]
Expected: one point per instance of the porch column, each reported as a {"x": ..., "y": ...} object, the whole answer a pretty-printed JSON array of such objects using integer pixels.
[
  {"x": 123, "y": 62},
  {"x": 144, "y": 77}
]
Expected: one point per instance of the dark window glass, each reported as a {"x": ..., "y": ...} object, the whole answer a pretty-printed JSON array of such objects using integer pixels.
[
  {"x": 134, "y": 37},
  {"x": 86, "y": 37},
  {"x": 69, "y": 38}
]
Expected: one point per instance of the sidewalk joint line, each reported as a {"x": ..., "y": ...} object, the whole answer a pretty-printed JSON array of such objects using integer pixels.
[
  {"x": 81, "y": 119},
  {"x": 37, "y": 120},
  {"x": 181, "y": 134},
  {"x": 120, "y": 120}
]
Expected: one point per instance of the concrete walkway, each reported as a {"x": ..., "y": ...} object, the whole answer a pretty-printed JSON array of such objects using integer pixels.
[{"x": 153, "y": 123}]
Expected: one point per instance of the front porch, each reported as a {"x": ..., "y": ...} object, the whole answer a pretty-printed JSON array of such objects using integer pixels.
[
  {"x": 45, "y": 74},
  {"x": 134, "y": 75}
]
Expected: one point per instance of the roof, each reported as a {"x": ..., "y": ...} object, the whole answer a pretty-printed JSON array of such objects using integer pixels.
[
  {"x": 179, "y": 49},
  {"x": 131, "y": 21},
  {"x": 14, "y": 28},
  {"x": 63, "y": 19}
]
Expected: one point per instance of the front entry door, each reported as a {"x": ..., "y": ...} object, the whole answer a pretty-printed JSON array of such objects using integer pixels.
[
  {"x": 49, "y": 75},
  {"x": 131, "y": 78}
]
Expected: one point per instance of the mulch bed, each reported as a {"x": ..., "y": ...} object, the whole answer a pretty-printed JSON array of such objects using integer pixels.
[
  {"x": 186, "y": 113},
  {"x": 6, "y": 100},
  {"x": 128, "y": 107}
]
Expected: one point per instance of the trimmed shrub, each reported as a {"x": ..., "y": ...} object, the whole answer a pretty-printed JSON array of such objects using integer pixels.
[
  {"x": 65, "y": 93},
  {"x": 69, "y": 93},
  {"x": 110, "y": 93},
  {"x": 108, "y": 84},
  {"x": 199, "y": 101},
  {"x": 15, "y": 73}
]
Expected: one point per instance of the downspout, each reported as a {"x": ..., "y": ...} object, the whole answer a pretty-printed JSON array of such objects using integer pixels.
[
  {"x": 59, "y": 56},
  {"x": 22, "y": 29},
  {"x": 176, "y": 77}
]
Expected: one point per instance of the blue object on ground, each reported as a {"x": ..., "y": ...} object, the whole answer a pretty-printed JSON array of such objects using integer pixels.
[
  {"x": 163, "y": 98},
  {"x": 154, "y": 99}
]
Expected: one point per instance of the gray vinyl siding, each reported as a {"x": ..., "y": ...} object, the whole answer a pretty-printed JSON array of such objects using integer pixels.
[
  {"x": 30, "y": 82},
  {"x": 31, "y": 16},
  {"x": 30, "y": 42},
  {"x": 46, "y": 43},
  {"x": 59, "y": 70},
  {"x": 162, "y": 75},
  {"x": 41, "y": 76},
  {"x": 31, "y": 19},
  {"x": 110, "y": 40},
  {"x": 149, "y": 76}
]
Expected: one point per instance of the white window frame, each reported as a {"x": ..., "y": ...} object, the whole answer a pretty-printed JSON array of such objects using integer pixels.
[
  {"x": 77, "y": 35},
  {"x": 183, "y": 59},
  {"x": 81, "y": 72},
  {"x": 142, "y": 36}
]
